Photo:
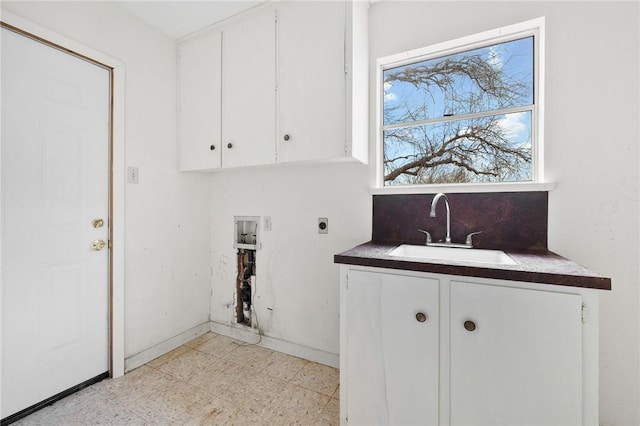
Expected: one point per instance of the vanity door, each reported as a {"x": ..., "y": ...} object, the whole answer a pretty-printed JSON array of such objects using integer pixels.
[
  {"x": 516, "y": 356},
  {"x": 392, "y": 350}
]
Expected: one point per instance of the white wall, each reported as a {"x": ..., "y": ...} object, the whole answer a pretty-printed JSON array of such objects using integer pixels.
[
  {"x": 592, "y": 138},
  {"x": 297, "y": 288},
  {"x": 167, "y": 213}
]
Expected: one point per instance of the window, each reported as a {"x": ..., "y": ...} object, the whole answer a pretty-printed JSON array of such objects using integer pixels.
[{"x": 463, "y": 112}]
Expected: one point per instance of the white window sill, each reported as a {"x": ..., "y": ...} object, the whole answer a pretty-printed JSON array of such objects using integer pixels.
[{"x": 466, "y": 188}]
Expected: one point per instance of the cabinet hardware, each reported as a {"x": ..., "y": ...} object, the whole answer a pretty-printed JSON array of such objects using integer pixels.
[
  {"x": 421, "y": 317},
  {"x": 287, "y": 137},
  {"x": 229, "y": 145},
  {"x": 469, "y": 325},
  {"x": 212, "y": 147}
]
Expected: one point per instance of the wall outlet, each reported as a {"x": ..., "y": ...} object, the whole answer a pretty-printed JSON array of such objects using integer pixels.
[{"x": 323, "y": 225}]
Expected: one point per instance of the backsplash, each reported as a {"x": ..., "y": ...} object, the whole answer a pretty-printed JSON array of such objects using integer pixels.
[{"x": 508, "y": 220}]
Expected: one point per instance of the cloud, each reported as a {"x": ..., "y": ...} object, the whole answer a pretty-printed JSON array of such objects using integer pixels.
[
  {"x": 388, "y": 96},
  {"x": 513, "y": 124}
]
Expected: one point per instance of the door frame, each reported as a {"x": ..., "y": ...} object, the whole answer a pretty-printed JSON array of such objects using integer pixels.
[{"x": 116, "y": 175}]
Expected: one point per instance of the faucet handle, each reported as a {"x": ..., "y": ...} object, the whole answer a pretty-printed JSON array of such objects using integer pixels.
[
  {"x": 469, "y": 242},
  {"x": 428, "y": 236}
]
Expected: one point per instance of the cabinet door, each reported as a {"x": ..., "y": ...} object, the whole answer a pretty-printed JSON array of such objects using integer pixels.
[
  {"x": 311, "y": 83},
  {"x": 392, "y": 357},
  {"x": 199, "y": 71},
  {"x": 522, "y": 364},
  {"x": 248, "y": 92}
]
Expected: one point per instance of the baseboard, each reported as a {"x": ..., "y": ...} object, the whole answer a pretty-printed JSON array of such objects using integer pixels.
[
  {"x": 143, "y": 357},
  {"x": 250, "y": 336}
]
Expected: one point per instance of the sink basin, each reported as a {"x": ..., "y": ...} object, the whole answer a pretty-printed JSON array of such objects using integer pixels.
[{"x": 496, "y": 257}]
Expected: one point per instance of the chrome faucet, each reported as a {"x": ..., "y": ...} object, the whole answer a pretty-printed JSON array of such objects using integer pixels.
[
  {"x": 447, "y": 241},
  {"x": 434, "y": 203}
]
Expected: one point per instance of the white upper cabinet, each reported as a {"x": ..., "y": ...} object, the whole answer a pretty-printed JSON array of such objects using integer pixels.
[
  {"x": 311, "y": 81},
  {"x": 199, "y": 74},
  {"x": 248, "y": 92},
  {"x": 289, "y": 84}
]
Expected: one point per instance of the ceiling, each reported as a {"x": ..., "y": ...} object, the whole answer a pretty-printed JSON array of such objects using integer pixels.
[{"x": 177, "y": 18}]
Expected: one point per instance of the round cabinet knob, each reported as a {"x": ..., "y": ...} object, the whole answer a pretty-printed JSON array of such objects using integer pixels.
[
  {"x": 229, "y": 145},
  {"x": 212, "y": 147},
  {"x": 287, "y": 137},
  {"x": 421, "y": 317},
  {"x": 469, "y": 325}
]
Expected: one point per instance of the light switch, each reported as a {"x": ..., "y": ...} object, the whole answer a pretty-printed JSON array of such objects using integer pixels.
[{"x": 132, "y": 175}]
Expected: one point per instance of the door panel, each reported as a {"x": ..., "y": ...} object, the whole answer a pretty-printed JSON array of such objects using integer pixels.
[
  {"x": 392, "y": 360},
  {"x": 55, "y": 182},
  {"x": 248, "y": 92},
  {"x": 199, "y": 92},
  {"x": 311, "y": 83},
  {"x": 523, "y": 340}
]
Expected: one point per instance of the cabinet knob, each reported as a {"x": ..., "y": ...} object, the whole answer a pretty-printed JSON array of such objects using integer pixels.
[
  {"x": 469, "y": 325},
  {"x": 212, "y": 147},
  {"x": 421, "y": 317},
  {"x": 287, "y": 137},
  {"x": 229, "y": 145}
]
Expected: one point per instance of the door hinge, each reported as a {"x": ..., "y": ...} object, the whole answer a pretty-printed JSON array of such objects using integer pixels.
[{"x": 584, "y": 313}]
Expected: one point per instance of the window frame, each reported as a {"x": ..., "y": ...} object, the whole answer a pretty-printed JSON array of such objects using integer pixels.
[{"x": 532, "y": 28}]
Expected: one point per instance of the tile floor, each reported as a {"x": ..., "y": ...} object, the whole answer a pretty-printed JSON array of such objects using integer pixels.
[{"x": 212, "y": 380}]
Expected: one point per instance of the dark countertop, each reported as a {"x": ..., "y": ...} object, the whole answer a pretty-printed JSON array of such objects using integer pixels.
[{"x": 533, "y": 267}]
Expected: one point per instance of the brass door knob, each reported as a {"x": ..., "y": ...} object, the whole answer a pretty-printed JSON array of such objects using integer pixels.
[
  {"x": 421, "y": 317},
  {"x": 469, "y": 325},
  {"x": 97, "y": 223},
  {"x": 98, "y": 245}
]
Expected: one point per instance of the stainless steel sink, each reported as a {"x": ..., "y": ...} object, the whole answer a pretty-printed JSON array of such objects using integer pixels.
[{"x": 496, "y": 257}]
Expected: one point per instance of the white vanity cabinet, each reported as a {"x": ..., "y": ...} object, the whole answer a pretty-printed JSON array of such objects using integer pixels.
[
  {"x": 489, "y": 351},
  {"x": 284, "y": 84}
]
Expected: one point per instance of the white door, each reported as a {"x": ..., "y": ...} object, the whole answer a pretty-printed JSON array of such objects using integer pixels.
[
  {"x": 249, "y": 92},
  {"x": 55, "y": 184},
  {"x": 518, "y": 358},
  {"x": 392, "y": 349}
]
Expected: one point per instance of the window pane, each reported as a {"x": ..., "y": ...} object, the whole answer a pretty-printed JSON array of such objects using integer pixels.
[
  {"x": 495, "y": 148},
  {"x": 484, "y": 79}
]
